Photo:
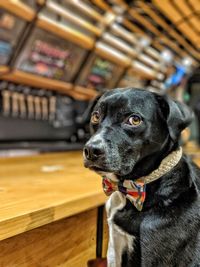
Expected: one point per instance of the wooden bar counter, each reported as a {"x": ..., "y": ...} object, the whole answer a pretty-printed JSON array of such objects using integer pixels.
[{"x": 48, "y": 211}]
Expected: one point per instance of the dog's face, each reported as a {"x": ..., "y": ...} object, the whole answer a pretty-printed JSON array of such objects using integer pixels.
[{"x": 127, "y": 125}]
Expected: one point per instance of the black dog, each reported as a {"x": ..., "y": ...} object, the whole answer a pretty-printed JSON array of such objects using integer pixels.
[{"x": 133, "y": 131}]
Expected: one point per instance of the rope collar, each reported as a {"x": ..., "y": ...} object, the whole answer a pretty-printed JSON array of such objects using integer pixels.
[{"x": 135, "y": 191}]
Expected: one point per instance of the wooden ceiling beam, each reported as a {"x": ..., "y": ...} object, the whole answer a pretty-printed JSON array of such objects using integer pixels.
[{"x": 148, "y": 10}]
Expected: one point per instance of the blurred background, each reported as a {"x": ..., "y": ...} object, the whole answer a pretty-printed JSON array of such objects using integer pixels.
[{"x": 55, "y": 56}]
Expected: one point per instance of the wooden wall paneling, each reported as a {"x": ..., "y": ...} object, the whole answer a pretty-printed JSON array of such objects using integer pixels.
[
  {"x": 154, "y": 30},
  {"x": 70, "y": 242},
  {"x": 189, "y": 32},
  {"x": 159, "y": 34},
  {"x": 195, "y": 4},
  {"x": 172, "y": 11},
  {"x": 166, "y": 8},
  {"x": 142, "y": 20},
  {"x": 132, "y": 27},
  {"x": 158, "y": 19},
  {"x": 195, "y": 21},
  {"x": 183, "y": 7}
]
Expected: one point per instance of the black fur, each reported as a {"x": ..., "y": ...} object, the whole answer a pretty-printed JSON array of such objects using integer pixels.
[{"x": 167, "y": 230}]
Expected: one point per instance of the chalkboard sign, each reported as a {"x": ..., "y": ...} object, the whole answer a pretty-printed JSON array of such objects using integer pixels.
[
  {"x": 99, "y": 73},
  {"x": 50, "y": 56}
]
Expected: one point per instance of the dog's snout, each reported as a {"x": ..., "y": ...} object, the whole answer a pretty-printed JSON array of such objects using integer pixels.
[{"x": 93, "y": 151}]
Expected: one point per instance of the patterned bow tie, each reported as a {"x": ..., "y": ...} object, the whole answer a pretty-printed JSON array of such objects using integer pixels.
[{"x": 135, "y": 191}]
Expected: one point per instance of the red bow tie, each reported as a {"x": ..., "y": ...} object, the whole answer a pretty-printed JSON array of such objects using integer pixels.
[{"x": 134, "y": 191}]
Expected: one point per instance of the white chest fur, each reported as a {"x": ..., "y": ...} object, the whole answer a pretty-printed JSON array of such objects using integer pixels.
[{"x": 119, "y": 241}]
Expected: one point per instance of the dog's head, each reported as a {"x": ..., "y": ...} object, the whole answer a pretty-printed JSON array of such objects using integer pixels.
[{"x": 128, "y": 125}]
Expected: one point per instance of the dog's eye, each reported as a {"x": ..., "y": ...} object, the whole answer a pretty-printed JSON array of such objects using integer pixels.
[
  {"x": 95, "y": 118},
  {"x": 134, "y": 120}
]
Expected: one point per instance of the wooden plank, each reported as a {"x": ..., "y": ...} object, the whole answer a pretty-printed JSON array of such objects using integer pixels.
[
  {"x": 195, "y": 21},
  {"x": 102, "y": 4},
  {"x": 156, "y": 43},
  {"x": 112, "y": 54},
  {"x": 143, "y": 71},
  {"x": 84, "y": 7},
  {"x": 91, "y": 93},
  {"x": 124, "y": 34},
  {"x": 119, "y": 44},
  {"x": 40, "y": 189},
  {"x": 18, "y": 8},
  {"x": 184, "y": 7},
  {"x": 105, "y": 235},
  {"x": 148, "y": 10},
  {"x": 188, "y": 31},
  {"x": 144, "y": 6},
  {"x": 69, "y": 242},
  {"x": 121, "y": 3},
  {"x": 166, "y": 7},
  {"x": 3, "y": 69},
  {"x": 37, "y": 81},
  {"x": 58, "y": 9},
  {"x": 141, "y": 19},
  {"x": 132, "y": 27},
  {"x": 81, "y": 94},
  {"x": 174, "y": 46},
  {"x": 65, "y": 32},
  {"x": 171, "y": 12},
  {"x": 41, "y": 2},
  {"x": 195, "y": 4},
  {"x": 29, "y": 79}
]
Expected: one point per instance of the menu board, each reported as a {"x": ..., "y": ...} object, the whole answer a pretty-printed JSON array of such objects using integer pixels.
[
  {"x": 99, "y": 73},
  {"x": 50, "y": 56},
  {"x": 10, "y": 29}
]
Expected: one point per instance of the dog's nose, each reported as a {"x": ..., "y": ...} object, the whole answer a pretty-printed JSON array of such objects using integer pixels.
[{"x": 92, "y": 151}]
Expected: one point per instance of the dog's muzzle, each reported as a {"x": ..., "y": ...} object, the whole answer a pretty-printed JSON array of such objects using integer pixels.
[{"x": 93, "y": 152}]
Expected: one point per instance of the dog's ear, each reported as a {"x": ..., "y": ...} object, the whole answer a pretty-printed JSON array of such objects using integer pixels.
[{"x": 177, "y": 115}]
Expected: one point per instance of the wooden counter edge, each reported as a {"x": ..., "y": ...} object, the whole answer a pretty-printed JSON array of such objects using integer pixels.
[{"x": 25, "y": 222}]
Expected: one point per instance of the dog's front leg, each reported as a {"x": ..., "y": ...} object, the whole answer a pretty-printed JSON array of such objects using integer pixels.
[{"x": 119, "y": 241}]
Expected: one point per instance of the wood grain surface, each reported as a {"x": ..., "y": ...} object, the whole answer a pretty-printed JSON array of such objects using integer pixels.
[
  {"x": 38, "y": 190},
  {"x": 70, "y": 242}
]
